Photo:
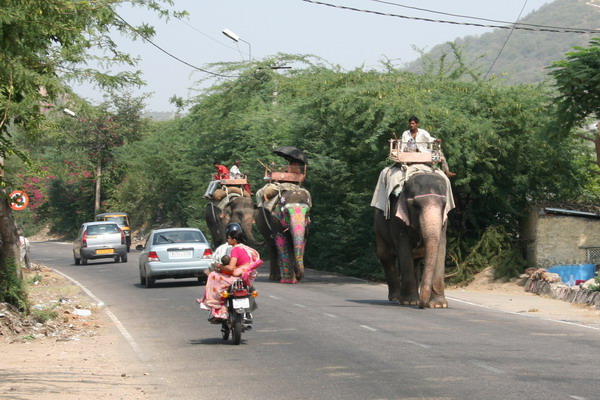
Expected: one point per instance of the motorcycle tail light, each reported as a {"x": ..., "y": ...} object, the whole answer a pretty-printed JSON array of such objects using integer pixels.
[
  {"x": 240, "y": 293},
  {"x": 254, "y": 293}
]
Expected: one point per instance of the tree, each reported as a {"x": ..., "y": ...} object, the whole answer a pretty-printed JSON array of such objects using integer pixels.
[
  {"x": 43, "y": 45},
  {"x": 578, "y": 82}
]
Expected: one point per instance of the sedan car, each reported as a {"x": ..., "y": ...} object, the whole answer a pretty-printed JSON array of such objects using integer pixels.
[
  {"x": 174, "y": 253},
  {"x": 99, "y": 240}
]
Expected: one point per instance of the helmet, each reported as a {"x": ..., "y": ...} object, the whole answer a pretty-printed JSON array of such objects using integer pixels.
[{"x": 232, "y": 227}]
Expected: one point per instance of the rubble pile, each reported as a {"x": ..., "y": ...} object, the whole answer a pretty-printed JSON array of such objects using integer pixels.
[
  {"x": 58, "y": 310},
  {"x": 549, "y": 284}
]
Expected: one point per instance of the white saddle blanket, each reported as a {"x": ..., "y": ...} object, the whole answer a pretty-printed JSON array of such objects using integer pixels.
[{"x": 392, "y": 179}]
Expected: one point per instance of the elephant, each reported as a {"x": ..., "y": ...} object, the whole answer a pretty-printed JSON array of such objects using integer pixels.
[
  {"x": 283, "y": 221},
  {"x": 417, "y": 224},
  {"x": 238, "y": 209}
]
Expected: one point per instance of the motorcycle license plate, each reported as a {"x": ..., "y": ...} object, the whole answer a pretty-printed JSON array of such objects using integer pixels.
[{"x": 241, "y": 303}]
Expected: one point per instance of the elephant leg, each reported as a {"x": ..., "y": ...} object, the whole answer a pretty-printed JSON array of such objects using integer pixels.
[
  {"x": 409, "y": 293},
  {"x": 285, "y": 261},
  {"x": 274, "y": 270},
  {"x": 387, "y": 258}
]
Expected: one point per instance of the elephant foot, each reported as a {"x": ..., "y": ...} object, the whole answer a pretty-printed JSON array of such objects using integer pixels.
[
  {"x": 437, "y": 302},
  {"x": 292, "y": 281},
  {"x": 408, "y": 302}
]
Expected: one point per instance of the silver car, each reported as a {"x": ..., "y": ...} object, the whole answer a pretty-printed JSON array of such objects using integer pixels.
[
  {"x": 99, "y": 239},
  {"x": 174, "y": 253}
]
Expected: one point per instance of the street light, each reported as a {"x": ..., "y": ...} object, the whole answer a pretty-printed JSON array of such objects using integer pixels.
[{"x": 236, "y": 39}]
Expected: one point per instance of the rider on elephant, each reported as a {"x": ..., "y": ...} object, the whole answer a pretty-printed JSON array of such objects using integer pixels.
[{"x": 416, "y": 139}]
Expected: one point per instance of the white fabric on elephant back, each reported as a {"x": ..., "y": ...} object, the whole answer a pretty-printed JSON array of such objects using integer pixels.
[
  {"x": 392, "y": 179},
  {"x": 278, "y": 187}
]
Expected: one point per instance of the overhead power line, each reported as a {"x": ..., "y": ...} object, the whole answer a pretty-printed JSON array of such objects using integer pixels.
[
  {"x": 505, "y": 42},
  {"x": 171, "y": 55},
  {"x": 513, "y": 25}
]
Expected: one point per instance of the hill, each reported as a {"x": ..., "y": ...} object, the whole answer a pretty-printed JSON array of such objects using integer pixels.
[{"x": 527, "y": 53}]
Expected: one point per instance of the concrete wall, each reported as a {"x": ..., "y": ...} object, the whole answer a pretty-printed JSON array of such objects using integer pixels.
[{"x": 556, "y": 239}]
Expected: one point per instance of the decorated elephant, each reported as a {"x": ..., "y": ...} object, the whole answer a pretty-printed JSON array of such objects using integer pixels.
[
  {"x": 232, "y": 208},
  {"x": 282, "y": 217},
  {"x": 410, "y": 222}
]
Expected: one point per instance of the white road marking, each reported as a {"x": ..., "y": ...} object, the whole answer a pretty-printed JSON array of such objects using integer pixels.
[
  {"x": 330, "y": 315},
  {"x": 368, "y": 327},
  {"x": 300, "y": 305},
  {"x": 578, "y": 397},
  {"x": 496, "y": 370},
  {"x": 274, "y": 297},
  {"x": 136, "y": 348},
  {"x": 425, "y": 346}
]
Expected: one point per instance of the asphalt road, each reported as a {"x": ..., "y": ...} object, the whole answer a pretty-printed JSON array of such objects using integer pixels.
[{"x": 336, "y": 338}]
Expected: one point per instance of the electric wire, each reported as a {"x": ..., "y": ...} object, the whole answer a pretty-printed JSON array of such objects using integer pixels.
[
  {"x": 505, "y": 42},
  {"x": 517, "y": 25},
  {"x": 172, "y": 55},
  {"x": 213, "y": 39},
  {"x": 466, "y": 16}
]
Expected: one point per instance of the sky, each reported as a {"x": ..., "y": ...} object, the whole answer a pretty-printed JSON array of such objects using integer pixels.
[{"x": 342, "y": 37}]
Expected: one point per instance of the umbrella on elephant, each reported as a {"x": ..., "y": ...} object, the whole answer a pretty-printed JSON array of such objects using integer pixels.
[{"x": 291, "y": 154}]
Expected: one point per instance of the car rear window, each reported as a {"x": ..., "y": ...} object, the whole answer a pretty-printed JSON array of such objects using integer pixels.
[
  {"x": 102, "y": 229},
  {"x": 178, "y": 237}
]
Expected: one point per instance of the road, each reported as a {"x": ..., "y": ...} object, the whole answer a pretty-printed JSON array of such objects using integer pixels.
[{"x": 336, "y": 338}]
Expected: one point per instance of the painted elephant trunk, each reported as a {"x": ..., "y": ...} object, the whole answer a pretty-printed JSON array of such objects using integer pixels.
[
  {"x": 298, "y": 214},
  {"x": 431, "y": 221}
]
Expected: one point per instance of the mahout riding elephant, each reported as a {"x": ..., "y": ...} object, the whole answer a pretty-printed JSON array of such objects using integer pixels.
[
  {"x": 282, "y": 218},
  {"x": 416, "y": 223},
  {"x": 236, "y": 208}
]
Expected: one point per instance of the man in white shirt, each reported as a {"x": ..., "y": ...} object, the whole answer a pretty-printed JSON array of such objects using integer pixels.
[
  {"x": 234, "y": 171},
  {"x": 416, "y": 139}
]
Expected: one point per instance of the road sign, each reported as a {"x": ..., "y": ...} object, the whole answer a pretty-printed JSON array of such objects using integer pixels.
[{"x": 18, "y": 200}]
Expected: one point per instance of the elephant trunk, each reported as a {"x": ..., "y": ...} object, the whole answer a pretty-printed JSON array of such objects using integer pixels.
[
  {"x": 431, "y": 223},
  {"x": 298, "y": 221},
  {"x": 247, "y": 228}
]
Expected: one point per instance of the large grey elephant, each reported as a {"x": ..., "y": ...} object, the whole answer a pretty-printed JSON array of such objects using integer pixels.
[
  {"x": 416, "y": 223},
  {"x": 238, "y": 209},
  {"x": 283, "y": 219}
]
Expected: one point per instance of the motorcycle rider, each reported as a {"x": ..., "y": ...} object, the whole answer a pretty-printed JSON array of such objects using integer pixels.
[{"x": 244, "y": 261}]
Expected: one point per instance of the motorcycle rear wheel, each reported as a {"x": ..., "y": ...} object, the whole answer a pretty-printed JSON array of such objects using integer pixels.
[
  {"x": 225, "y": 330},
  {"x": 236, "y": 328}
]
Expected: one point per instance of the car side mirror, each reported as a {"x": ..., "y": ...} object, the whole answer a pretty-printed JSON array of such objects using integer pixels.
[{"x": 139, "y": 247}]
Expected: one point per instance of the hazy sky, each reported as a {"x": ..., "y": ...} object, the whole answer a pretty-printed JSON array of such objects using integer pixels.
[{"x": 341, "y": 36}]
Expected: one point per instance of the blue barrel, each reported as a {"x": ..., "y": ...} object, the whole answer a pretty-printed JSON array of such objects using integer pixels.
[{"x": 578, "y": 271}]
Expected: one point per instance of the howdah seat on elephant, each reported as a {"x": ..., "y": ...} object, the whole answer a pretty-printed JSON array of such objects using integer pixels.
[{"x": 412, "y": 200}]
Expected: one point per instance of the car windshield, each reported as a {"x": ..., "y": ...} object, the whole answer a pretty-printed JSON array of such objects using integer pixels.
[
  {"x": 178, "y": 237},
  {"x": 118, "y": 220},
  {"x": 102, "y": 229}
]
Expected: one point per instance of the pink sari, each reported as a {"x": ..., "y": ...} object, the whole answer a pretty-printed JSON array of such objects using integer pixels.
[{"x": 218, "y": 282}]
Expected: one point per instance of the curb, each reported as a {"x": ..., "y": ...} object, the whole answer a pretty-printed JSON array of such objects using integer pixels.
[{"x": 560, "y": 291}]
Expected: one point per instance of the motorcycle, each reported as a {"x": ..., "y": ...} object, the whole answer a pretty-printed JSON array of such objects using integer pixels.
[{"x": 239, "y": 299}]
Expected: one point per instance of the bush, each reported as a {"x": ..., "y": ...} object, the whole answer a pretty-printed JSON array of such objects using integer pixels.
[{"x": 11, "y": 286}]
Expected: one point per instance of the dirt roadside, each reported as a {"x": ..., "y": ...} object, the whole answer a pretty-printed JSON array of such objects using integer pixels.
[
  {"x": 78, "y": 355},
  {"x": 81, "y": 354}
]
